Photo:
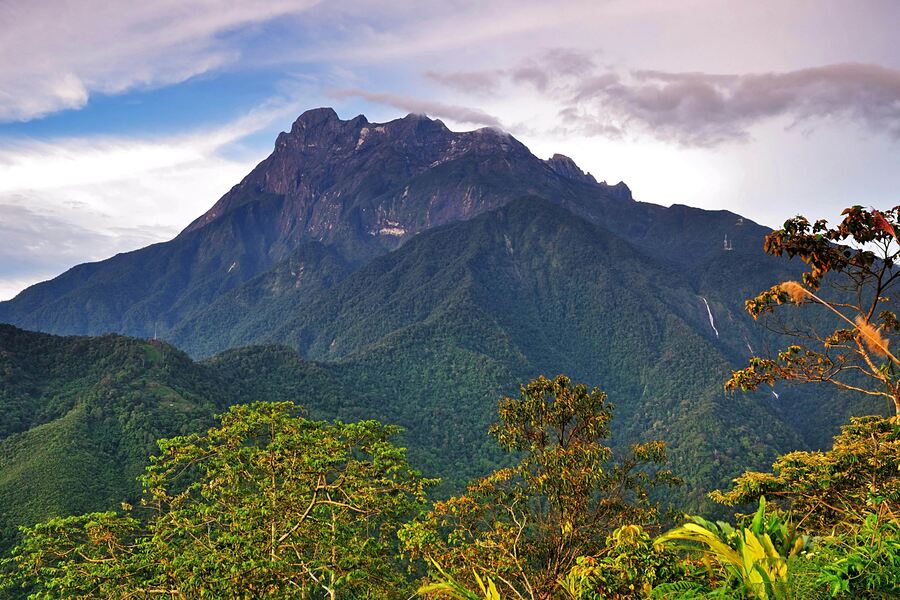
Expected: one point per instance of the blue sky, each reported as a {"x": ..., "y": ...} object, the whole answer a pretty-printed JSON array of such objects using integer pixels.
[{"x": 121, "y": 122}]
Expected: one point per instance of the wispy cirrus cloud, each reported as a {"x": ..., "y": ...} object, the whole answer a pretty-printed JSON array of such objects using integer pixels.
[
  {"x": 695, "y": 108},
  {"x": 54, "y": 54}
]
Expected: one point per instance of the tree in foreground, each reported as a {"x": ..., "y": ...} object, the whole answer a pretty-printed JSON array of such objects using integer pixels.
[
  {"x": 756, "y": 558},
  {"x": 847, "y": 341},
  {"x": 849, "y": 496},
  {"x": 268, "y": 504},
  {"x": 836, "y": 489},
  {"x": 523, "y": 528}
]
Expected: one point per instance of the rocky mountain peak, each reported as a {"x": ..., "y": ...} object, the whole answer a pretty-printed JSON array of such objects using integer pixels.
[
  {"x": 621, "y": 191},
  {"x": 369, "y": 186},
  {"x": 319, "y": 128},
  {"x": 564, "y": 166},
  {"x": 315, "y": 117}
]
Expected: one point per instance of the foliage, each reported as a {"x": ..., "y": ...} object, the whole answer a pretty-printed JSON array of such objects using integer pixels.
[
  {"x": 448, "y": 587},
  {"x": 526, "y": 525},
  {"x": 757, "y": 557},
  {"x": 426, "y": 337},
  {"x": 832, "y": 489},
  {"x": 858, "y": 259},
  {"x": 266, "y": 504},
  {"x": 79, "y": 417},
  {"x": 865, "y": 563},
  {"x": 91, "y": 555},
  {"x": 631, "y": 565}
]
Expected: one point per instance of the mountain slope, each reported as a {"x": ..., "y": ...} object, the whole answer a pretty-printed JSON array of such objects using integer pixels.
[
  {"x": 79, "y": 416},
  {"x": 336, "y": 193},
  {"x": 430, "y": 335}
]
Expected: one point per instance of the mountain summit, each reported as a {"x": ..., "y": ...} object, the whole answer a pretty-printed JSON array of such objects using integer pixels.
[
  {"x": 368, "y": 186},
  {"x": 360, "y": 188}
]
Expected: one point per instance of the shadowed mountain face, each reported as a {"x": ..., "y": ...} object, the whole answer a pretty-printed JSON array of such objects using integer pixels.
[{"x": 429, "y": 272}]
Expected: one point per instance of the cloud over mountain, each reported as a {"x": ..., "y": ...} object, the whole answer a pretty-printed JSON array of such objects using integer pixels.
[
  {"x": 72, "y": 200},
  {"x": 439, "y": 110},
  {"x": 696, "y": 108}
]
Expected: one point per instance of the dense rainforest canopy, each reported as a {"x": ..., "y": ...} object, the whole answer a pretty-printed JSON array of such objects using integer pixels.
[
  {"x": 269, "y": 500},
  {"x": 270, "y": 503}
]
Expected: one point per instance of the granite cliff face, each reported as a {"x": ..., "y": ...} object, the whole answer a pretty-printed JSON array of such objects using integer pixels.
[{"x": 373, "y": 185}]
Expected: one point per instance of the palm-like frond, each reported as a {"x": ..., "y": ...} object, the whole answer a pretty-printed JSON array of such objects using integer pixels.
[{"x": 757, "y": 556}]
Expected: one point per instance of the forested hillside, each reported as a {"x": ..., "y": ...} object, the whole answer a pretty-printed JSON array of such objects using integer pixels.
[
  {"x": 271, "y": 502},
  {"x": 426, "y": 337},
  {"x": 79, "y": 416},
  {"x": 428, "y": 334}
]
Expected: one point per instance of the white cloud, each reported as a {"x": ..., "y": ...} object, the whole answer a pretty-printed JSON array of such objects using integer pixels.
[
  {"x": 67, "y": 201},
  {"x": 55, "y": 53},
  {"x": 439, "y": 27},
  {"x": 691, "y": 108},
  {"x": 432, "y": 108}
]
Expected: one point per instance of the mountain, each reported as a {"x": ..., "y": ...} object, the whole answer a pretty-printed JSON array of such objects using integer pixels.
[
  {"x": 362, "y": 188},
  {"x": 352, "y": 190},
  {"x": 426, "y": 272}
]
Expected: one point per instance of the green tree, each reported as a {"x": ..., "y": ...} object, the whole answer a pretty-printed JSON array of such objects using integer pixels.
[
  {"x": 848, "y": 340},
  {"x": 268, "y": 504},
  {"x": 834, "y": 489},
  {"x": 524, "y": 527},
  {"x": 630, "y": 567},
  {"x": 864, "y": 563}
]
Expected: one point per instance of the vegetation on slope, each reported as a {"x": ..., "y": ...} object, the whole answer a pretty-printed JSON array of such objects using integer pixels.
[
  {"x": 269, "y": 503},
  {"x": 266, "y": 504},
  {"x": 81, "y": 413},
  {"x": 78, "y": 417},
  {"x": 424, "y": 337}
]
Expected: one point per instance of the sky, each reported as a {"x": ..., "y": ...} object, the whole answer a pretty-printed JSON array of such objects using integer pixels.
[{"x": 121, "y": 122}]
